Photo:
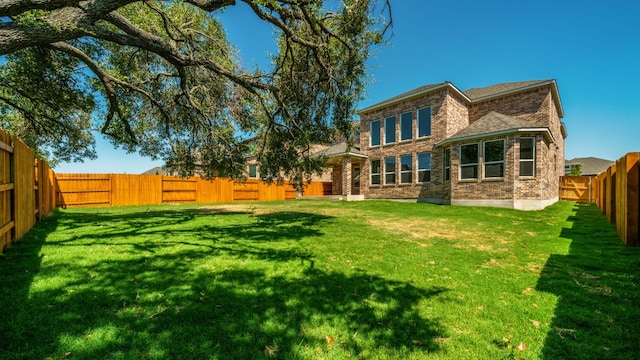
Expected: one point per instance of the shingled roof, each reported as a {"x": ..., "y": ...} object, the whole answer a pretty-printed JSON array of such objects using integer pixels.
[
  {"x": 494, "y": 124},
  {"x": 339, "y": 149},
  {"x": 418, "y": 91},
  {"x": 498, "y": 89},
  {"x": 590, "y": 165},
  {"x": 475, "y": 94}
]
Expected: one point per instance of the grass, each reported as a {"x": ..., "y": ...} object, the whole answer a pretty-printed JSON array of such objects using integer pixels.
[{"x": 321, "y": 280}]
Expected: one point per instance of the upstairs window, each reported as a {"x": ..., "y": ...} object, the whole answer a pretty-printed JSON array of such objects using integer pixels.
[
  {"x": 406, "y": 126},
  {"x": 374, "y": 131},
  {"x": 390, "y": 171},
  {"x": 527, "y": 157},
  {"x": 447, "y": 164},
  {"x": 424, "y": 122},
  {"x": 494, "y": 159},
  {"x": 375, "y": 172},
  {"x": 469, "y": 161},
  {"x": 406, "y": 169},
  {"x": 390, "y": 130},
  {"x": 424, "y": 167}
]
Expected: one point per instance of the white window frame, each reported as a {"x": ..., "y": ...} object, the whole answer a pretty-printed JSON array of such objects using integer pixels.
[
  {"x": 403, "y": 118},
  {"x": 410, "y": 171},
  {"x": 393, "y": 131},
  {"x": 532, "y": 160},
  {"x": 476, "y": 164},
  {"x": 423, "y": 169},
  {"x": 393, "y": 172},
  {"x": 485, "y": 162},
  {"x": 377, "y": 173},
  {"x": 418, "y": 122}
]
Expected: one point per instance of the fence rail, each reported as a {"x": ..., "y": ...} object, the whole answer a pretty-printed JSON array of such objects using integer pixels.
[{"x": 78, "y": 190}]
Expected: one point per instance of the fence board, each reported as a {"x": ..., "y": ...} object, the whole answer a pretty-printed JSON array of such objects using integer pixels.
[
  {"x": 25, "y": 189},
  {"x": 120, "y": 190},
  {"x": 6, "y": 190},
  {"x": 627, "y": 198},
  {"x": 24, "y": 194},
  {"x": 577, "y": 188},
  {"x": 81, "y": 190},
  {"x": 178, "y": 190}
]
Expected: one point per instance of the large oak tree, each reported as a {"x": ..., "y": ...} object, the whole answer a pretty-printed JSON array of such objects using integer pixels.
[{"x": 160, "y": 78}]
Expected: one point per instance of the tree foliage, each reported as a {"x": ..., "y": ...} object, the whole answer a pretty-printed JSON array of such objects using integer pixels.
[
  {"x": 160, "y": 78},
  {"x": 576, "y": 170}
]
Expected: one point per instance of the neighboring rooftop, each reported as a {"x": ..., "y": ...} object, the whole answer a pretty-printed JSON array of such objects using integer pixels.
[
  {"x": 590, "y": 165},
  {"x": 158, "y": 170}
]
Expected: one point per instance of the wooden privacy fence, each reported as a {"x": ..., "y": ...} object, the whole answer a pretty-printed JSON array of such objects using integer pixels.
[
  {"x": 619, "y": 197},
  {"x": 579, "y": 188},
  {"x": 78, "y": 190},
  {"x": 26, "y": 189}
]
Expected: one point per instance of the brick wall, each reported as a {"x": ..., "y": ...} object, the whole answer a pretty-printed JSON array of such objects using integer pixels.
[{"x": 448, "y": 115}]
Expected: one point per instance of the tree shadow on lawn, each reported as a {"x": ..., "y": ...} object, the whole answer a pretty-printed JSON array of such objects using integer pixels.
[
  {"x": 598, "y": 310},
  {"x": 176, "y": 304},
  {"x": 170, "y": 226}
]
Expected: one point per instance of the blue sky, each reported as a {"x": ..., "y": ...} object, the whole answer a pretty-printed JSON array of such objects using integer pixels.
[{"x": 591, "y": 48}]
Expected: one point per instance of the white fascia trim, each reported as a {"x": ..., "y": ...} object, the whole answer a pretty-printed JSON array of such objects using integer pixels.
[
  {"x": 404, "y": 98},
  {"x": 497, "y": 133}
]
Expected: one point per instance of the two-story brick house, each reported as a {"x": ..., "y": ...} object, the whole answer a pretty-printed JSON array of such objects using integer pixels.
[{"x": 501, "y": 145}]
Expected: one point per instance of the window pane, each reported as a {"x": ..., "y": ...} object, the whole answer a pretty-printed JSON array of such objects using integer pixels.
[
  {"x": 390, "y": 130},
  {"x": 469, "y": 172},
  {"x": 494, "y": 170},
  {"x": 526, "y": 148},
  {"x": 424, "y": 176},
  {"x": 424, "y": 122},
  {"x": 406, "y": 128},
  {"x": 447, "y": 164},
  {"x": 375, "y": 172},
  {"x": 424, "y": 161},
  {"x": 406, "y": 169},
  {"x": 375, "y": 133},
  {"x": 469, "y": 154},
  {"x": 375, "y": 166},
  {"x": 494, "y": 151},
  {"x": 375, "y": 179},
  {"x": 390, "y": 170},
  {"x": 405, "y": 163},
  {"x": 526, "y": 168},
  {"x": 253, "y": 171}
]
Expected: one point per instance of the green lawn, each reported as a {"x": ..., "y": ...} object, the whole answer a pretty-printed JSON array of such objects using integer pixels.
[{"x": 321, "y": 280}]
